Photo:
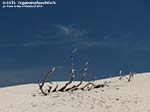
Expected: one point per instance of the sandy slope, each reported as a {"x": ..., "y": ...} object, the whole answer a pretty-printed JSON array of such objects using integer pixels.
[{"x": 121, "y": 96}]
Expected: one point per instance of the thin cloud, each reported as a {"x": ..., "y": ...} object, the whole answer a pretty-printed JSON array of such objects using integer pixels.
[
  {"x": 71, "y": 33},
  {"x": 71, "y": 30},
  {"x": 79, "y": 37},
  {"x": 62, "y": 34},
  {"x": 66, "y": 30},
  {"x": 55, "y": 35}
]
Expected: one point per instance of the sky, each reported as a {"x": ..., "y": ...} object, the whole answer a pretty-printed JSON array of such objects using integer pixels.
[{"x": 112, "y": 35}]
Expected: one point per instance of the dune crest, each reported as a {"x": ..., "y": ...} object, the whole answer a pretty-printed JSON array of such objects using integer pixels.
[{"x": 119, "y": 96}]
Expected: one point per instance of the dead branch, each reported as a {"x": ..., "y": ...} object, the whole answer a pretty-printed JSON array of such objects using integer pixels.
[
  {"x": 72, "y": 72},
  {"x": 101, "y": 85},
  {"x": 49, "y": 90},
  {"x": 131, "y": 75},
  {"x": 54, "y": 90},
  {"x": 51, "y": 71},
  {"x": 94, "y": 86},
  {"x": 87, "y": 85},
  {"x": 75, "y": 87},
  {"x": 121, "y": 77},
  {"x": 71, "y": 79}
]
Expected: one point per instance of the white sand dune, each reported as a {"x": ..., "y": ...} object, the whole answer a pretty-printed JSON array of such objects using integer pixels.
[{"x": 120, "y": 96}]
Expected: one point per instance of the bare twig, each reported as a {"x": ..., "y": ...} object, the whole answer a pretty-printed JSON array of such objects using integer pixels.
[
  {"x": 94, "y": 85},
  {"x": 45, "y": 79},
  {"x": 72, "y": 72},
  {"x": 121, "y": 77},
  {"x": 87, "y": 85},
  {"x": 49, "y": 90},
  {"x": 101, "y": 85},
  {"x": 82, "y": 78},
  {"x": 131, "y": 75},
  {"x": 54, "y": 90}
]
